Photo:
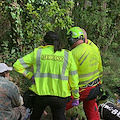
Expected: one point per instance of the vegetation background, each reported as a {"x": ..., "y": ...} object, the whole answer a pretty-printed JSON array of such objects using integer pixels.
[{"x": 23, "y": 23}]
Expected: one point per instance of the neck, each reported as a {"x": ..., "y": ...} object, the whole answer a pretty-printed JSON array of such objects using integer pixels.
[{"x": 77, "y": 43}]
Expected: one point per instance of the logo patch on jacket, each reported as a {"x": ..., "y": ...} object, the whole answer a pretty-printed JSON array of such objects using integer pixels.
[{"x": 52, "y": 57}]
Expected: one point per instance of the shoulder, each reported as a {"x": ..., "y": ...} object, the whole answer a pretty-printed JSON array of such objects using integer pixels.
[
  {"x": 44, "y": 47},
  {"x": 6, "y": 84},
  {"x": 80, "y": 47},
  {"x": 40, "y": 47},
  {"x": 67, "y": 50},
  {"x": 93, "y": 44},
  {"x": 89, "y": 41}
]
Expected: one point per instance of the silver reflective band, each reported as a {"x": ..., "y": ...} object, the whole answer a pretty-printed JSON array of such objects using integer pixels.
[
  {"x": 55, "y": 76},
  {"x": 26, "y": 72},
  {"x": 73, "y": 72},
  {"x": 37, "y": 74},
  {"x": 88, "y": 74},
  {"x": 86, "y": 82},
  {"x": 65, "y": 63},
  {"x": 75, "y": 91},
  {"x": 23, "y": 63}
]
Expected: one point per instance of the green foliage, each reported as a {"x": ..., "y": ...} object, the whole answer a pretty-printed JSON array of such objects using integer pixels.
[
  {"x": 12, "y": 32},
  {"x": 22, "y": 82},
  {"x": 111, "y": 74},
  {"x": 98, "y": 20},
  {"x": 29, "y": 20},
  {"x": 76, "y": 110},
  {"x": 47, "y": 17}
]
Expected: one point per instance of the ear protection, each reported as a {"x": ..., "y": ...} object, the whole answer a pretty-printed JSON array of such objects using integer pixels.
[
  {"x": 81, "y": 38},
  {"x": 72, "y": 40}
]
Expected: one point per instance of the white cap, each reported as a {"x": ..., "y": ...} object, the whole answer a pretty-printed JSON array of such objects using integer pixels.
[{"x": 4, "y": 67}]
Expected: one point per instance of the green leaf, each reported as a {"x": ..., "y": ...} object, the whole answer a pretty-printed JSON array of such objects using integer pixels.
[
  {"x": 12, "y": 51},
  {"x": 13, "y": 15}
]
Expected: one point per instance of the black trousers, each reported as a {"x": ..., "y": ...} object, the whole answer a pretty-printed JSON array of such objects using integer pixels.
[{"x": 57, "y": 105}]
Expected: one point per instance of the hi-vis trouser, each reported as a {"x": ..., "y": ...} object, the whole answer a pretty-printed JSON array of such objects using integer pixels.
[{"x": 88, "y": 96}]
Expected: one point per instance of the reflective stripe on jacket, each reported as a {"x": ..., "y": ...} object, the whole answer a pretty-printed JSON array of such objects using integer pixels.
[
  {"x": 88, "y": 62},
  {"x": 55, "y": 73}
]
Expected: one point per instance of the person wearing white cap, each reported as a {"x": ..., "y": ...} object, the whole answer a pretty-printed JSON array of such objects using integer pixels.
[{"x": 10, "y": 98}]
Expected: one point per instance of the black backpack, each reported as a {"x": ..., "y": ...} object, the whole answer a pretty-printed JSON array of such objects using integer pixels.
[
  {"x": 108, "y": 111},
  {"x": 28, "y": 98}
]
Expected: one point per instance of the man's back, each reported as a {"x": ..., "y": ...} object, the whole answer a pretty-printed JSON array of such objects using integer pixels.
[
  {"x": 8, "y": 99},
  {"x": 94, "y": 46},
  {"x": 87, "y": 60}
]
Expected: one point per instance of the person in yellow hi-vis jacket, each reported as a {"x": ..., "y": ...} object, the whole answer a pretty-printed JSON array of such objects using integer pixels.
[
  {"x": 94, "y": 46},
  {"x": 89, "y": 68},
  {"x": 55, "y": 75}
]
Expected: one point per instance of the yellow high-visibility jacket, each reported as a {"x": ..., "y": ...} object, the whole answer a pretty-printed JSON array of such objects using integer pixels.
[
  {"x": 88, "y": 63},
  {"x": 55, "y": 73}
]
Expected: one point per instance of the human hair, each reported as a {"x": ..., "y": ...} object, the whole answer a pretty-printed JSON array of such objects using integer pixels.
[
  {"x": 3, "y": 73},
  {"x": 52, "y": 38}
]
